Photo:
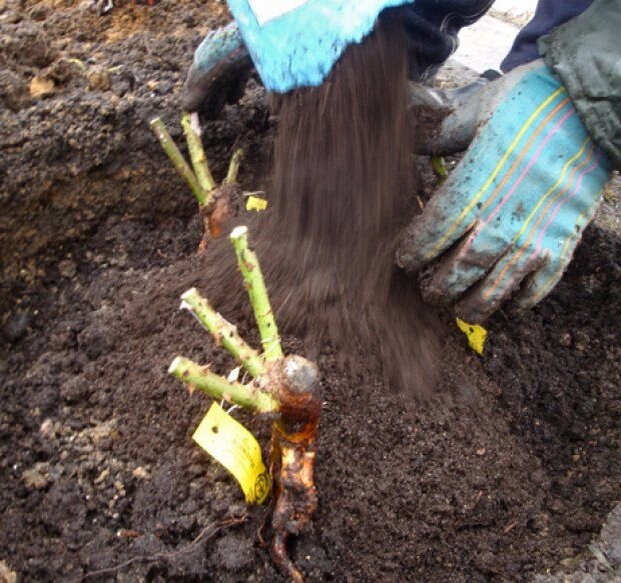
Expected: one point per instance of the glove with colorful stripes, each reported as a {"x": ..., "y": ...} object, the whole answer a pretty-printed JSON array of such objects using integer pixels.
[{"x": 509, "y": 217}]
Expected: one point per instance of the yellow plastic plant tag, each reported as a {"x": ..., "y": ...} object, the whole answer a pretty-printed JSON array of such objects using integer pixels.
[
  {"x": 256, "y": 203},
  {"x": 230, "y": 443},
  {"x": 476, "y": 335}
]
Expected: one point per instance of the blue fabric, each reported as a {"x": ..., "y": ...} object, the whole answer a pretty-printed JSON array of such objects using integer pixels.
[
  {"x": 516, "y": 205},
  {"x": 216, "y": 46},
  {"x": 431, "y": 26},
  {"x": 299, "y": 48}
]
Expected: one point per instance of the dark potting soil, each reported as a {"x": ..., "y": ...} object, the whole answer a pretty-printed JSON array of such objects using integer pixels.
[
  {"x": 341, "y": 192},
  {"x": 509, "y": 468},
  {"x": 506, "y": 470}
]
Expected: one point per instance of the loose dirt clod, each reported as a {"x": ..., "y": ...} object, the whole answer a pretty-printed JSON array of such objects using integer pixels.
[{"x": 41, "y": 87}]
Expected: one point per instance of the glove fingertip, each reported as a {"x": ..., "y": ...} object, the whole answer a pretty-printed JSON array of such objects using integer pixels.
[
  {"x": 406, "y": 261},
  {"x": 529, "y": 297},
  {"x": 540, "y": 283},
  {"x": 407, "y": 255},
  {"x": 189, "y": 103},
  {"x": 193, "y": 90},
  {"x": 475, "y": 311}
]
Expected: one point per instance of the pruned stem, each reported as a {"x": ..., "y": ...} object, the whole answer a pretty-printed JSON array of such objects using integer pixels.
[
  {"x": 218, "y": 387},
  {"x": 176, "y": 157},
  {"x": 255, "y": 285},
  {"x": 439, "y": 167},
  {"x": 231, "y": 175},
  {"x": 197, "y": 155},
  {"x": 224, "y": 332}
]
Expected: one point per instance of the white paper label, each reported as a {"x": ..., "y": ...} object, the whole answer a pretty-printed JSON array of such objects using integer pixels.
[{"x": 266, "y": 10}]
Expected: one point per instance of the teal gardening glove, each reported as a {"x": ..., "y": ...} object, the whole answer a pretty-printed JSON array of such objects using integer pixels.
[
  {"x": 219, "y": 72},
  {"x": 509, "y": 217},
  {"x": 292, "y": 43}
]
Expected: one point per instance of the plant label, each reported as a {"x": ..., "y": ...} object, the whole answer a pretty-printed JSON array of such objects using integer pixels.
[
  {"x": 231, "y": 444},
  {"x": 476, "y": 335}
]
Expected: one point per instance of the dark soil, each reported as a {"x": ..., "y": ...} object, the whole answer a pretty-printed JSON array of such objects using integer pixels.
[
  {"x": 341, "y": 192},
  {"x": 510, "y": 468}
]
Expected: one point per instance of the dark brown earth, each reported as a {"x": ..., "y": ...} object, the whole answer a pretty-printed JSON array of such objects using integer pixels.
[
  {"x": 508, "y": 470},
  {"x": 341, "y": 192}
]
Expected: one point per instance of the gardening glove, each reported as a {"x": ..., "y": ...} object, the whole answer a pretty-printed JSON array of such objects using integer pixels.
[
  {"x": 462, "y": 106},
  {"x": 219, "y": 72},
  {"x": 511, "y": 214},
  {"x": 295, "y": 43}
]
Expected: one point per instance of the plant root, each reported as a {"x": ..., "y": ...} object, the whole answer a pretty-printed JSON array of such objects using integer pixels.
[{"x": 292, "y": 457}]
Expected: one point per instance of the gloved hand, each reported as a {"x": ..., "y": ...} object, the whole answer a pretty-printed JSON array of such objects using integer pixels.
[
  {"x": 219, "y": 72},
  {"x": 511, "y": 214},
  {"x": 295, "y": 43}
]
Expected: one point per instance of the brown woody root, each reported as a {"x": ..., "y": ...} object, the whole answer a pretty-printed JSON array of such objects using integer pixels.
[
  {"x": 296, "y": 495},
  {"x": 292, "y": 457}
]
